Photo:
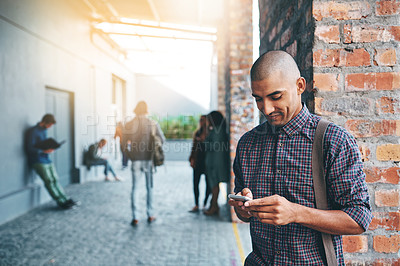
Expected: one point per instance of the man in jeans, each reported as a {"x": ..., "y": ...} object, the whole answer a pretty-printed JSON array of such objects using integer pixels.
[
  {"x": 138, "y": 133},
  {"x": 39, "y": 160}
]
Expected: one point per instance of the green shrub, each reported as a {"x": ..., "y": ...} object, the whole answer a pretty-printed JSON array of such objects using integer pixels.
[{"x": 178, "y": 127}]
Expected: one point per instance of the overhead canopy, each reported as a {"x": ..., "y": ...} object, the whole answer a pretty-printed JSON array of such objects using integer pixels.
[
  {"x": 158, "y": 35},
  {"x": 203, "y": 13}
]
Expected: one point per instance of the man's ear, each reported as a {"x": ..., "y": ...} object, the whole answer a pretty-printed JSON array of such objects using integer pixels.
[{"x": 301, "y": 85}]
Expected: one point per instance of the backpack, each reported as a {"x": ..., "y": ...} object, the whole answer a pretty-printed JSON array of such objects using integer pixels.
[
  {"x": 157, "y": 148},
  {"x": 131, "y": 141}
]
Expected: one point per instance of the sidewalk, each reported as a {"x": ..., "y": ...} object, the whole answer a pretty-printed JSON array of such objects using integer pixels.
[{"x": 98, "y": 232}]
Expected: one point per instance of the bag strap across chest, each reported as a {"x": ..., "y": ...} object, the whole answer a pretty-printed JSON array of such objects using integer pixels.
[{"x": 321, "y": 199}]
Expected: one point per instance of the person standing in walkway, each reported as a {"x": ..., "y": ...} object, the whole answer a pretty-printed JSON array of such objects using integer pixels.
[
  {"x": 118, "y": 134},
  {"x": 138, "y": 132},
  {"x": 217, "y": 160},
  {"x": 95, "y": 158},
  {"x": 273, "y": 167},
  {"x": 40, "y": 161},
  {"x": 197, "y": 161}
]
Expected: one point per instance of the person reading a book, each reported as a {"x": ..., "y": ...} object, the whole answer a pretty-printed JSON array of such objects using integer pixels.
[
  {"x": 39, "y": 160},
  {"x": 95, "y": 158},
  {"x": 273, "y": 167}
]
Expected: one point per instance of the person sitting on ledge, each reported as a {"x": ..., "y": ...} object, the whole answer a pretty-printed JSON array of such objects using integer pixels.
[{"x": 94, "y": 158}]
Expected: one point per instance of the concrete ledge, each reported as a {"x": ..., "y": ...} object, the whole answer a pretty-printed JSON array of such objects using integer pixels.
[{"x": 17, "y": 203}]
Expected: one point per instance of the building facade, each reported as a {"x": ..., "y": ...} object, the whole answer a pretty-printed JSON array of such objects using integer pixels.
[
  {"x": 348, "y": 52},
  {"x": 52, "y": 62}
]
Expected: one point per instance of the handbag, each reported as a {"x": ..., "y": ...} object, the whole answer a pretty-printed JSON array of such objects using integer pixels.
[{"x": 318, "y": 172}]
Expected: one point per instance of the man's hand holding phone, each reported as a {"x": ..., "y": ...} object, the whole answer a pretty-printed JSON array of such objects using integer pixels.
[
  {"x": 275, "y": 210},
  {"x": 238, "y": 200}
]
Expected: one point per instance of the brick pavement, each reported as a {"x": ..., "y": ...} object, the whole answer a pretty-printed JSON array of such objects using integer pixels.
[{"x": 98, "y": 232}]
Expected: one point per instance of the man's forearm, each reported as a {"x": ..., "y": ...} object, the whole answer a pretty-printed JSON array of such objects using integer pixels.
[{"x": 333, "y": 222}]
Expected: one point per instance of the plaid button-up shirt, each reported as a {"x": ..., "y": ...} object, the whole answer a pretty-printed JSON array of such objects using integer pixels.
[{"x": 278, "y": 162}]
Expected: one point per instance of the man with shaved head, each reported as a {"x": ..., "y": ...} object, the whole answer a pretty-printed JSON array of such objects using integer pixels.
[{"x": 273, "y": 168}]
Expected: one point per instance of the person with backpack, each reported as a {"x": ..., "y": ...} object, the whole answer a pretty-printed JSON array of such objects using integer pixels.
[{"x": 146, "y": 138}]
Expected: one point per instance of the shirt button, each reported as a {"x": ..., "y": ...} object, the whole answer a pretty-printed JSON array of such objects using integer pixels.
[
  {"x": 280, "y": 144},
  {"x": 278, "y": 226},
  {"x": 278, "y": 171},
  {"x": 278, "y": 252}
]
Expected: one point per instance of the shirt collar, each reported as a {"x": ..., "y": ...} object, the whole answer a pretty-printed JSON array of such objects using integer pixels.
[
  {"x": 297, "y": 123},
  {"x": 40, "y": 127},
  {"x": 293, "y": 126}
]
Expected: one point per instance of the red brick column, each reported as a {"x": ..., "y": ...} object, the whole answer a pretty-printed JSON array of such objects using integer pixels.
[
  {"x": 237, "y": 59},
  {"x": 357, "y": 76},
  {"x": 288, "y": 26}
]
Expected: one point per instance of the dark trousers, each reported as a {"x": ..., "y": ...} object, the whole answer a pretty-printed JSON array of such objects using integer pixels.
[
  {"x": 196, "y": 180},
  {"x": 124, "y": 157}
]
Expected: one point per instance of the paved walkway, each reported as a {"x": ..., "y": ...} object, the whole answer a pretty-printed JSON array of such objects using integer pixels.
[{"x": 98, "y": 232}]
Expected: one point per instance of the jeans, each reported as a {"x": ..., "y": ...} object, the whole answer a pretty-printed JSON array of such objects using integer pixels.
[
  {"x": 137, "y": 168},
  {"x": 124, "y": 158},
  {"x": 48, "y": 174},
  {"x": 107, "y": 166}
]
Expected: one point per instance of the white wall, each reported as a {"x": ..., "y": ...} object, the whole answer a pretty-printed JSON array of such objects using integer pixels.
[
  {"x": 163, "y": 100},
  {"x": 47, "y": 43}
]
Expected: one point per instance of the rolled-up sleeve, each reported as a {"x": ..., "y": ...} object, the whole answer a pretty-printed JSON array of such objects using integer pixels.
[
  {"x": 237, "y": 170},
  {"x": 346, "y": 180}
]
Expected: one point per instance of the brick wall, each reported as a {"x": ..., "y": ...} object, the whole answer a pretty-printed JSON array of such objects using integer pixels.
[
  {"x": 354, "y": 65},
  {"x": 223, "y": 66},
  {"x": 288, "y": 25},
  {"x": 356, "y": 70},
  {"x": 240, "y": 62},
  {"x": 235, "y": 58}
]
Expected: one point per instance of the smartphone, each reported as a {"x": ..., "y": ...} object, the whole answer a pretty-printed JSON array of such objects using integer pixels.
[{"x": 239, "y": 198}]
